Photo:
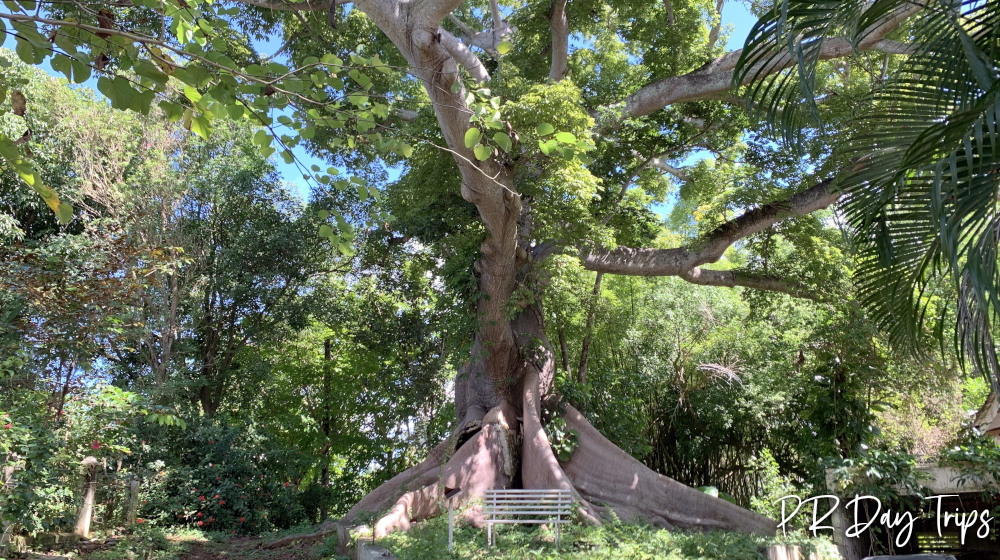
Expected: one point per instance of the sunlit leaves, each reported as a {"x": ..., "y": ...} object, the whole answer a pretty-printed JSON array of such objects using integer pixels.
[
  {"x": 142, "y": 68},
  {"x": 472, "y": 137}
]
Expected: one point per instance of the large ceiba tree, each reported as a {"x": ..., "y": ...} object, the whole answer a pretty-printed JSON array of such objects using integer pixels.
[{"x": 563, "y": 165}]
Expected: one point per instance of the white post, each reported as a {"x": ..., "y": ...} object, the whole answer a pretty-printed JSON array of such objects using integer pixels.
[
  {"x": 86, "y": 511},
  {"x": 133, "y": 501}
]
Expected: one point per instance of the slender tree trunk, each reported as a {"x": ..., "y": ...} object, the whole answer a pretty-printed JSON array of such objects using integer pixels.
[
  {"x": 595, "y": 294},
  {"x": 563, "y": 350}
]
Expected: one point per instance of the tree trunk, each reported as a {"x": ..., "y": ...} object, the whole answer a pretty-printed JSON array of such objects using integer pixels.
[
  {"x": 506, "y": 446},
  {"x": 581, "y": 375}
]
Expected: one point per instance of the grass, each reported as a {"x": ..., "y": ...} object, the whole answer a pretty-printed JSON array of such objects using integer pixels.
[
  {"x": 428, "y": 540},
  {"x": 618, "y": 541}
]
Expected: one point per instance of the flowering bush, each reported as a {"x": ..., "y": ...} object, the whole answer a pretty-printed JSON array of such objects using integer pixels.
[{"x": 218, "y": 478}]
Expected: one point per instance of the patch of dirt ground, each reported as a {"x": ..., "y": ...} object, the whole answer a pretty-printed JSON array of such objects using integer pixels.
[{"x": 247, "y": 549}]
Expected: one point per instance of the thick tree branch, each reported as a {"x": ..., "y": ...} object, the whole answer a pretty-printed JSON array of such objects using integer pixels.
[
  {"x": 889, "y": 46},
  {"x": 464, "y": 56},
  {"x": 559, "y": 25},
  {"x": 733, "y": 278},
  {"x": 495, "y": 11},
  {"x": 466, "y": 30},
  {"x": 709, "y": 248},
  {"x": 713, "y": 34},
  {"x": 715, "y": 78},
  {"x": 666, "y": 167}
]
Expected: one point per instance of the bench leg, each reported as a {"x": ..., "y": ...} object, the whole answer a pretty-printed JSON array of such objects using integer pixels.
[
  {"x": 558, "y": 519},
  {"x": 489, "y": 534}
]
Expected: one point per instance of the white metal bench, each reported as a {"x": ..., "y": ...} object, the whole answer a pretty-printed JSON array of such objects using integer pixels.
[{"x": 527, "y": 506}]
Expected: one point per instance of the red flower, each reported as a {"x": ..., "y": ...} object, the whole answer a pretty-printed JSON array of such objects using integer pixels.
[
  {"x": 202, "y": 498},
  {"x": 211, "y": 519},
  {"x": 139, "y": 520},
  {"x": 242, "y": 520},
  {"x": 95, "y": 444},
  {"x": 7, "y": 426},
  {"x": 201, "y": 523},
  {"x": 222, "y": 502},
  {"x": 199, "y": 514}
]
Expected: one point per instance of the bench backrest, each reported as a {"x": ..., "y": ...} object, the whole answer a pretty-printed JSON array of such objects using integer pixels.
[{"x": 528, "y": 504}]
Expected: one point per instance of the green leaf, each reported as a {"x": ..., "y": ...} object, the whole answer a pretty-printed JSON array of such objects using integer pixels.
[
  {"x": 503, "y": 141},
  {"x": 65, "y": 213},
  {"x": 81, "y": 72},
  {"x": 28, "y": 53},
  {"x": 118, "y": 91},
  {"x": 261, "y": 138},
  {"x": 482, "y": 152},
  {"x": 549, "y": 147},
  {"x": 149, "y": 70},
  {"x": 62, "y": 63},
  {"x": 325, "y": 231},
  {"x": 192, "y": 93},
  {"x": 504, "y": 47},
  {"x": 171, "y": 110},
  {"x": 545, "y": 129},
  {"x": 566, "y": 138},
  {"x": 201, "y": 125},
  {"x": 472, "y": 137}
]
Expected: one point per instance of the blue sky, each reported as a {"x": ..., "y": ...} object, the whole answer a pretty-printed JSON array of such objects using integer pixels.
[{"x": 734, "y": 14}]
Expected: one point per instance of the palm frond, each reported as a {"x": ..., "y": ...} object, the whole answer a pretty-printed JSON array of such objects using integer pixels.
[{"x": 922, "y": 196}]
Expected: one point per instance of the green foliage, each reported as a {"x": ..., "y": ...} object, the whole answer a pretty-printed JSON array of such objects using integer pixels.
[
  {"x": 562, "y": 438},
  {"x": 977, "y": 459},
  {"x": 202, "y": 71},
  {"x": 922, "y": 204},
  {"x": 890, "y": 476},
  {"x": 218, "y": 478},
  {"x": 45, "y": 447},
  {"x": 429, "y": 540}
]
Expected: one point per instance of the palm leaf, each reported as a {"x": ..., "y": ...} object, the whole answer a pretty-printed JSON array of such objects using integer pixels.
[{"x": 921, "y": 197}]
